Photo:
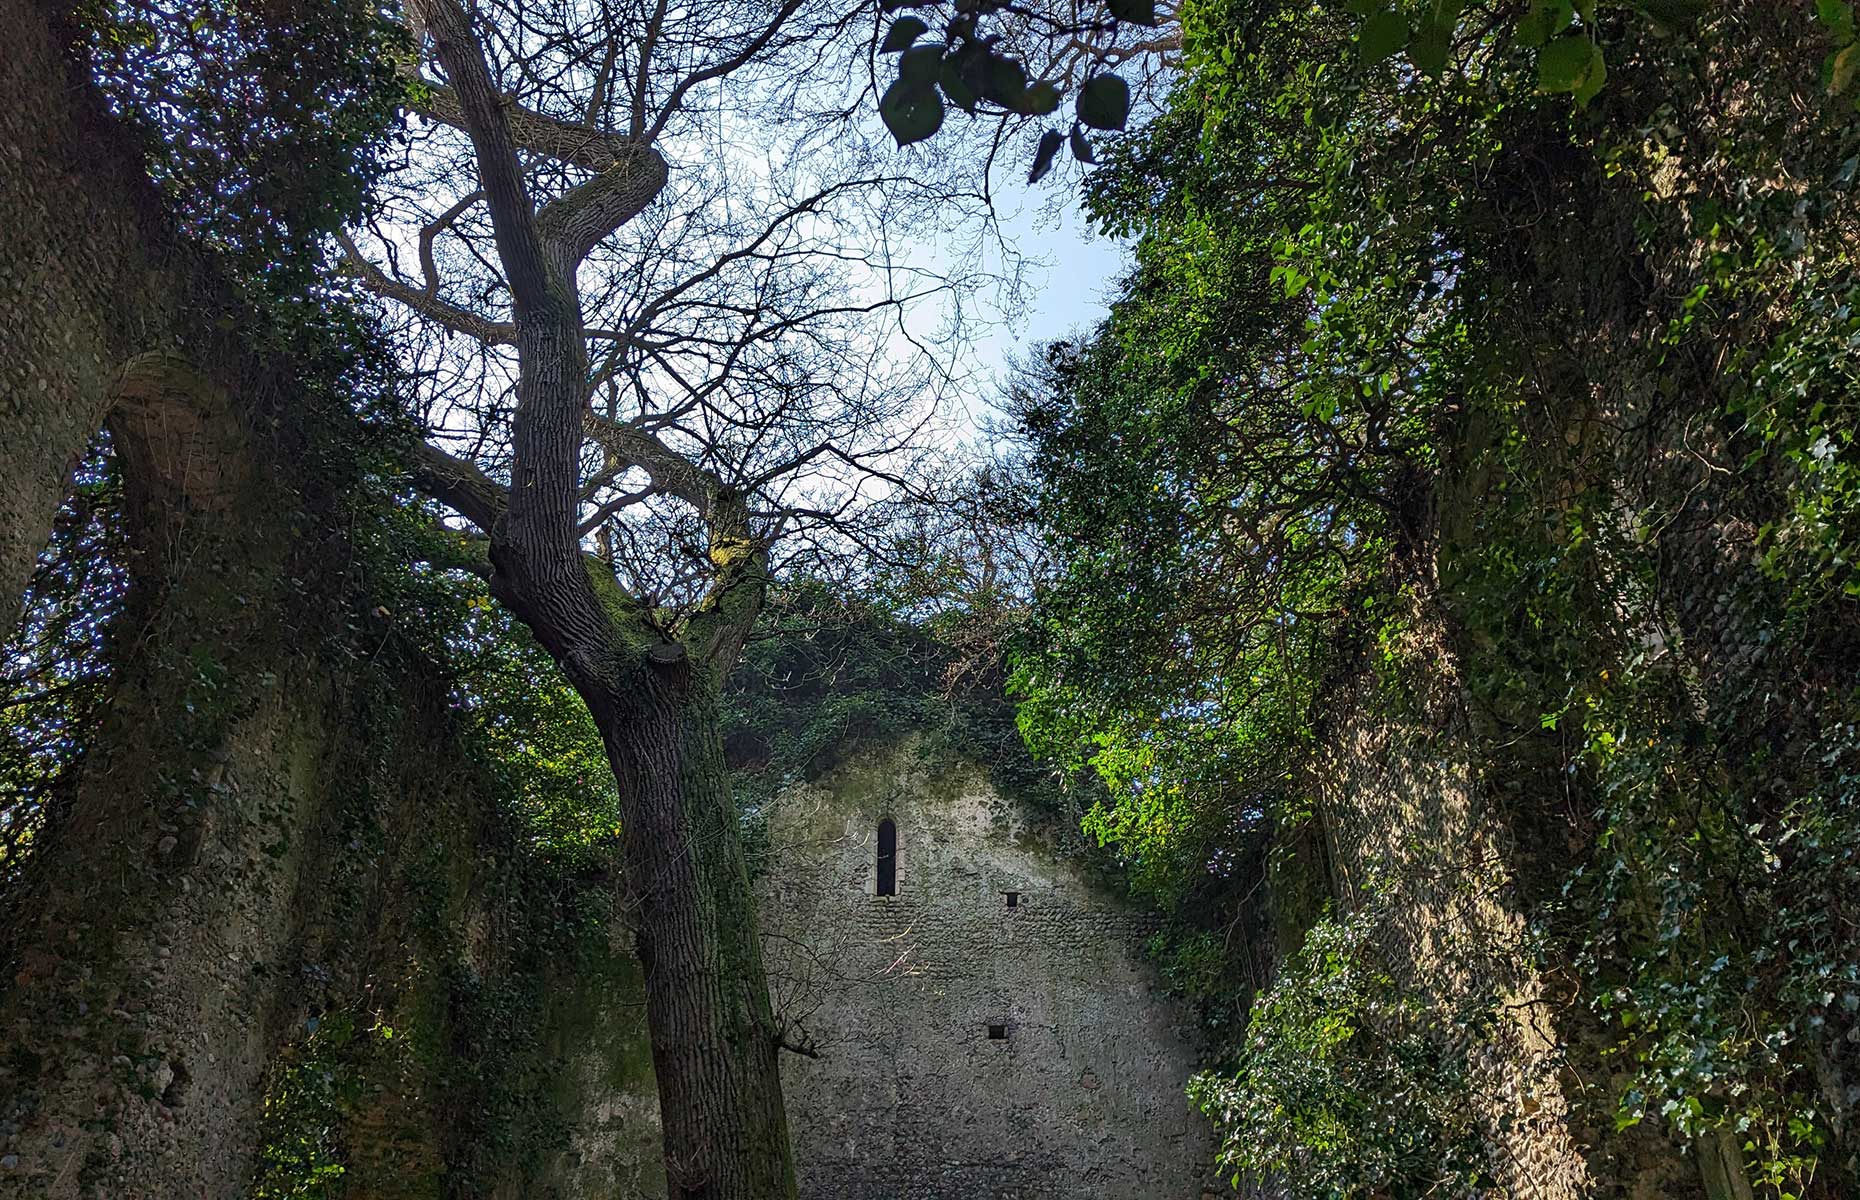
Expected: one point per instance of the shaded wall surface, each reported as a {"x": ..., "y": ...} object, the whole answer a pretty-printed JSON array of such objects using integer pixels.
[
  {"x": 280, "y": 930},
  {"x": 967, "y": 1047}
]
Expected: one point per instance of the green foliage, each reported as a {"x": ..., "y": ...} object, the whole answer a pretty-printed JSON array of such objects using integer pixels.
[
  {"x": 1338, "y": 1089},
  {"x": 313, "y": 1086},
  {"x": 967, "y": 65},
  {"x": 1448, "y": 345},
  {"x": 532, "y": 728},
  {"x": 55, "y": 669},
  {"x": 831, "y": 670},
  {"x": 264, "y": 125}
]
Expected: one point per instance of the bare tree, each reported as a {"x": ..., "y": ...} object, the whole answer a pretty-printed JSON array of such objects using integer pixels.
[{"x": 640, "y": 250}]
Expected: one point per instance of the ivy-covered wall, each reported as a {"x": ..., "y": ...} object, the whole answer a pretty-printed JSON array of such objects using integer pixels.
[
  {"x": 284, "y": 929},
  {"x": 1480, "y": 1042}
]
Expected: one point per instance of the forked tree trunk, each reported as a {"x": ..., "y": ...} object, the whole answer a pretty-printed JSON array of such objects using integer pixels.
[
  {"x": 714, "y": 1042},
  {"x": 653, "y": 694}
]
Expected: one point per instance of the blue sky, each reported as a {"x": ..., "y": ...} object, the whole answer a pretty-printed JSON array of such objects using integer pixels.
[
  {"x": 1069, "y": 282},
  {"x": 1070, "y": 293}
]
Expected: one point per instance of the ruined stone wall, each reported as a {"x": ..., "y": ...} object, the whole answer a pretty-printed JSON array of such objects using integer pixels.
[
  {"x": 911, "y": 1098},
  {"x": 192, "y": 950},
  {"x": 282, "y": 936},
  {"x": 280, "y": 924},
  {"x": 1409, "y": 811},
  {"x": 89, "y": 278},
  {"x": 1402, "y": 807}
]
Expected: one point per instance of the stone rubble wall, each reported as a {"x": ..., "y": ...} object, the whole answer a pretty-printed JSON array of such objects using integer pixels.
[
  {"x": 242, "y": 861},
  {"x": 910, "y": 1098}
]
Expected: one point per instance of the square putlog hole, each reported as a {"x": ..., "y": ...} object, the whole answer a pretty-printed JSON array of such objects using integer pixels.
[{"x": 997, "y": 1033}]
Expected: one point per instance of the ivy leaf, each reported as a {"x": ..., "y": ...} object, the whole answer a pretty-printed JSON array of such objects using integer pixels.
[
  {"x": 1039, "y": 100},
  {"x": 911, "y": 111},
  {"x": 1563, "y": 65},
  {"x": 1431, "y": 45},
  {"x": 1081, "y": 147},
  {"x": 1381, "y": 35},
  {"x": 1137, "y": 12},
  {"x": 920, "y": 65},
  {"x": 903, "y": 32},
  {"x": 1104, "y": 102},
  {"x": 1050, "y": 141}
]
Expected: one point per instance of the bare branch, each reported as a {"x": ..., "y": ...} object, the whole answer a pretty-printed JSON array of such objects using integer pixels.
[
  {"x": 433, "y": 229},
  {"x": 585, "y": 146},
  {"x": 723, "y": 67},
  {"x": 669, "y": 471},
  {"x": 424, "y": 300},
  {"x": 601, "y": 515},
  {"x": 459, "y": 484},
  {"x": 484, "y": 115},
  {"x": 578, "y": 219}
]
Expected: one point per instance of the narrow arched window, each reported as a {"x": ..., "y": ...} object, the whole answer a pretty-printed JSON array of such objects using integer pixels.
[{"x": 887, "y": 857}]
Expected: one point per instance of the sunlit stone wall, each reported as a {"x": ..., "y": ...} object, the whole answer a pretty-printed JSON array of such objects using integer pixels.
[{"x": 993, "y": 1029}]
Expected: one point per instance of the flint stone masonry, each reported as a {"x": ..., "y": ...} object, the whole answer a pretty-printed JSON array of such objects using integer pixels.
[{"x": 911, "y": 1098}]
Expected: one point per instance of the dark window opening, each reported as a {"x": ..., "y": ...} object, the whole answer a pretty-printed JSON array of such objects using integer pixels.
[
  {"x": 887, "y": 857},
  {"x": 997, "y": 1033},
  {"x": 1013, "y": 899}
]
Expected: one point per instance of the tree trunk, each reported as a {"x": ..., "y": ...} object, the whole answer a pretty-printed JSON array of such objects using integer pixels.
[{"x": 714, "y": 1041}]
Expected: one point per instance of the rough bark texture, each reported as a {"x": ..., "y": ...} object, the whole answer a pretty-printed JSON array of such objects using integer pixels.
[
  {"x": 714, "y": 1043},
  {"x": 652, "y": 693}
]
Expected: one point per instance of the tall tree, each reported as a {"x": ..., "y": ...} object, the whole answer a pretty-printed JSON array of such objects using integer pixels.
[{"x": 685, "y": 341}]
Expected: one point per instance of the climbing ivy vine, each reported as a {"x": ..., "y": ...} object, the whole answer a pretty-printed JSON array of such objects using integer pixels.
[{"x": 1532, "y": 325}]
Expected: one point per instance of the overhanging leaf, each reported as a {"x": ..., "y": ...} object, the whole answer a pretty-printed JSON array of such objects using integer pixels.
[
  {"x": 1050, "y": 142},
  {"x": 1430, "y": 46},
  {"x": 1544, "y": 20},
  {"x": 903, "y": 32},
  {"x": 1104, "y": 102},
  {"x": 1039, "y": 99},
  {"x": 1004, "y": 82},
  {"x": 920, "y": 65},
  {"x": 911, "y": 111},
  {"x": 955, "y": 87},
  {"x": 1381, "y": 35},
  {"x": 1137, "y": 12},
  {"x": 1081, "y": 147},
  {"x": 1564, "y": 64},
  {"x": 1591, "y": 85}
]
